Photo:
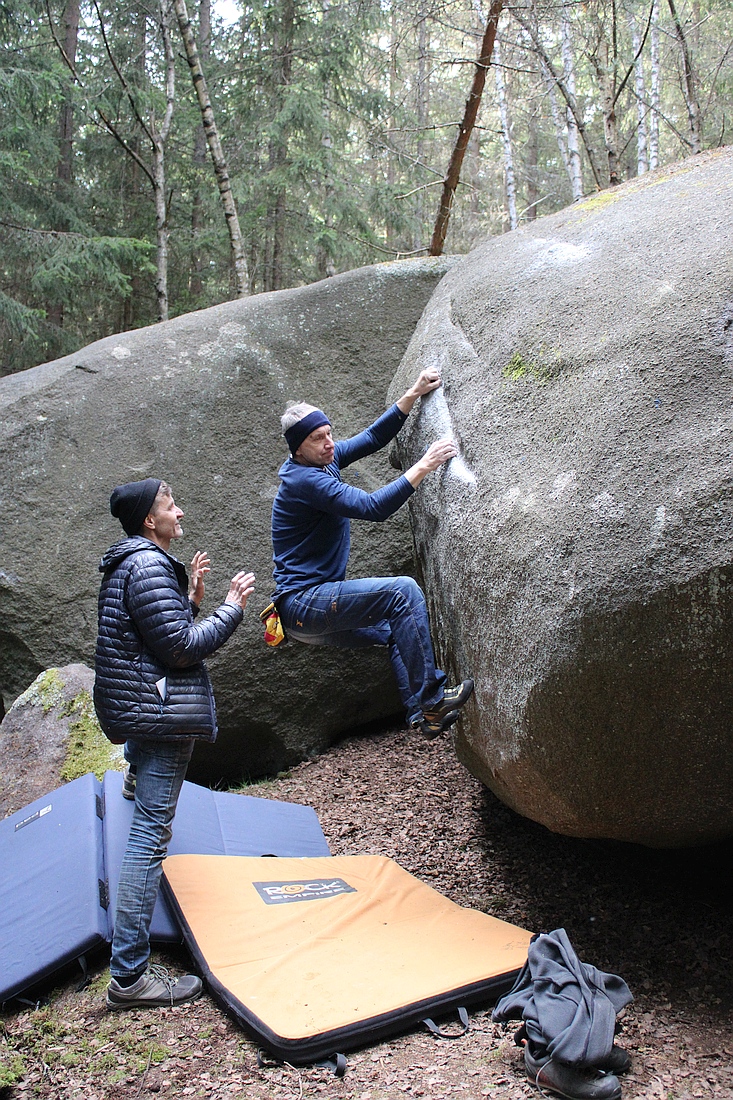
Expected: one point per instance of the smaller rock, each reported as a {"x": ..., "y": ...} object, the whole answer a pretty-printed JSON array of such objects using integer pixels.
[{"x": 50, "y": 736}]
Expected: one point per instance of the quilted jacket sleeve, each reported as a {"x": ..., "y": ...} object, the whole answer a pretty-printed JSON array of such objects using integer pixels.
[{"x": 162, "y": 615}]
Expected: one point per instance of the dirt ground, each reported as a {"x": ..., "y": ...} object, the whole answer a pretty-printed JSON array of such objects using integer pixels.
[{"x": 662, "y": 920}]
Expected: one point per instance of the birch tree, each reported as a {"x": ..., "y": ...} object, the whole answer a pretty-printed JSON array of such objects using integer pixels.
[
  {"x": 159, "y": 131},
  {"x": 218, "y": 159},
  {"x": 568, "y": 95},
  {"x": 574, "y": 166},
  {"x": 511, "y": 187},
  {"x": 655, "y": 90},
  {"x": 642, "y": 148}
]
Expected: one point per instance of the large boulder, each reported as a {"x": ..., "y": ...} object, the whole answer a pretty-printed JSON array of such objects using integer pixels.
[
  {"x": 50, "y": 736},
  {"x": 579, "y": 556},
  {"x": 197, "y": 401}
]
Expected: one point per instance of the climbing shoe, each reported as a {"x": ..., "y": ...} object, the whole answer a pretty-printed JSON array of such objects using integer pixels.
[
  {"x": 155, "y": 988},
  {"x": 445, "y": 713},
  {"x": 571, "y": 1081}
]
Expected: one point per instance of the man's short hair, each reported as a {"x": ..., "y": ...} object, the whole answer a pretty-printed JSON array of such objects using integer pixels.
[
  {"x": 294, "y": 413},
  {"x": 304, "y": 419},
  {"x": 164, "y": 491}
]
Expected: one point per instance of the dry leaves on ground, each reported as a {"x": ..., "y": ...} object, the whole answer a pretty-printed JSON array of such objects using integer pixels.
[{"x": 659, "y": 919}]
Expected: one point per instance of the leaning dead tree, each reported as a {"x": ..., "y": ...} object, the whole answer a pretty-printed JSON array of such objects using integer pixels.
[
  {"x": 218, "y": 159},
  {"x": 453, "y": 175}
]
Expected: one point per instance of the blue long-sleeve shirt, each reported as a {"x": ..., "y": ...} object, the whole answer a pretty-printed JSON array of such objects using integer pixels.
[{"x": 311, "y": 535}]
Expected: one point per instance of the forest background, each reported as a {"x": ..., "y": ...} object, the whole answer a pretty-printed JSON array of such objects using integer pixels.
[{"x": 335, "y": 121}]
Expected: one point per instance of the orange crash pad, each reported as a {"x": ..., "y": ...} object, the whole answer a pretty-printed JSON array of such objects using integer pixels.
[{"x": 313, "y": 956}]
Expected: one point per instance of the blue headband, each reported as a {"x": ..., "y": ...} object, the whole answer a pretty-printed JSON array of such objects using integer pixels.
[{"x": 303, "y": 428}]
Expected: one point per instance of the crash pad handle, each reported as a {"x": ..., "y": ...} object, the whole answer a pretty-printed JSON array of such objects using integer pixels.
[
  {"x": 336, "y": 1063},
  {"x": 436, "y": 1031}
]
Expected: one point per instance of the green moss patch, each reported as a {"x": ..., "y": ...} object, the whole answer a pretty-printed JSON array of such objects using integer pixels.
[
  {"x": 541, "y": 367},
  {"x": 88, "y": 749}
]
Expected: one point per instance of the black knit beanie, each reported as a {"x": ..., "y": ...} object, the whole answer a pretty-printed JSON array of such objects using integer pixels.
[{"x": 132, "y": 502}]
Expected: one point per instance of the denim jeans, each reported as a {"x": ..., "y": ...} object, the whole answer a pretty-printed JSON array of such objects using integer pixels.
[
  {"x": 161, "y": 768},
  {"x": 388, "y": 611}
]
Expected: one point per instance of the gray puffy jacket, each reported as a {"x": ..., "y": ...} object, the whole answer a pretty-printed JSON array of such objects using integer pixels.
[{"x": 150, "y": 678}]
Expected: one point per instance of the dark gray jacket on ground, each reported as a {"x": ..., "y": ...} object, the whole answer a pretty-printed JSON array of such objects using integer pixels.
[
  {"x": 568, "y": 1006},
  {"x": 150, "y": 679}
]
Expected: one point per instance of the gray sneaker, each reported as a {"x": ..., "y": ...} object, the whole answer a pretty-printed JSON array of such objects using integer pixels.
[
  {"x": 129, "y": 779},
  {"x": 153, "y": 989}
]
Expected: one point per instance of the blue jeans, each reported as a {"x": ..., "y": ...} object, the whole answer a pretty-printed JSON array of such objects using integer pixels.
[
  {"x": 387, "y": 611},
  {"x": 161, "y": 769}
]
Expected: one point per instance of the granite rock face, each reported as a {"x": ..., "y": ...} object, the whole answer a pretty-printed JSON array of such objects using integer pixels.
[
  {"x": 578, "y": 555},
  {"x": 197, "y": 401}
]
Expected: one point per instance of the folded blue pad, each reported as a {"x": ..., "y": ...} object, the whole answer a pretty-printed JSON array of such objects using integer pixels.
[
  {"x": 61, "y": 856},
  {"x": 53, "y": 897},
  {"x": 211, "y": 823}
]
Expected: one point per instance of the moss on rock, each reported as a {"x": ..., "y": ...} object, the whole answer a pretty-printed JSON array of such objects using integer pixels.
[{"x": 88, "y": 749}]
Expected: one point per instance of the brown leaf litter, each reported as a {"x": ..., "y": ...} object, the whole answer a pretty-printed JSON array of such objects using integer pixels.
[{"x": 661, "y": 920}]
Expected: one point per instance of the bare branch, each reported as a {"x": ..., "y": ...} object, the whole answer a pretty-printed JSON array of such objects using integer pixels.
[
  {"x": 128, "y": 148},
  {"x": 567, "y": 96},
  {"x": 121, "y": 77},
  {"x": 69, "y": 63}
]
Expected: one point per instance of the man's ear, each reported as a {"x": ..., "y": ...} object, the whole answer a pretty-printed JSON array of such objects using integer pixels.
[{"x": 149, "y": 522}]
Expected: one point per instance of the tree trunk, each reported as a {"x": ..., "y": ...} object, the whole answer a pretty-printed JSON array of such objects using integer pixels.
[
  {"x": 655, "y": 91},
  {"x": 610, "y": 124},
  {"x": 689, "y": 83},
  {"x": 642, "y": 151},
  {"x": 605, "y": 63},
  {"x": 531, "y": 160},
  {"x": 161, "y": 233},
  {"x": 64, "y": 171},
  {"x": 324, "y": 249},
  {"x": 195, "y": 285},
  {"x": 421, "y": 111},
  {"x": 390, "y": 234},
  {"x": 473, "y": 103},
  {"x": 278, "y": 149},
  {"x": 575, "y": 167},
  {"x": 215, "y": 148},
  {"x": 160, "y": 136},
  {"x": 65, "y": 165},
  {"x": 511, "y": 189}
]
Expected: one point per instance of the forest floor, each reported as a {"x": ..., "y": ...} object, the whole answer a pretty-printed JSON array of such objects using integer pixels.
[{"x": 662, "y": 920}]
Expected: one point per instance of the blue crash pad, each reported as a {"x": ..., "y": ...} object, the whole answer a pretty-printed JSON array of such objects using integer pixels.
[
  {"x": 211, "y": 823},
  {"x": 60, "y": 859},
  {"x": 52, "y": 887}
]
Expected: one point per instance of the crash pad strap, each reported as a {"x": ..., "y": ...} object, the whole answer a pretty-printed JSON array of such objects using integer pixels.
[{"x": 440, "y": 1034}]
